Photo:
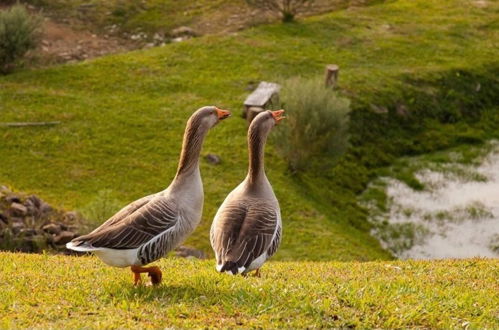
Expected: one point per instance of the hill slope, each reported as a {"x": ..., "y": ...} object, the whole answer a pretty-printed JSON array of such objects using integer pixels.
[
  {"x": 122, "y": 116},
  {"x": 56, "y": 291}
]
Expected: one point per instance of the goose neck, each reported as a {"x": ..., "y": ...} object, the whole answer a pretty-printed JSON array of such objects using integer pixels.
[
  {"x": 256, "y": 146},
  {"x": 191, "y": 149}
]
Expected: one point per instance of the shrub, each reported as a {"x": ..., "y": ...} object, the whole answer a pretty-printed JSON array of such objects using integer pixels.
[
  {"x": 286, "y": 8},
  {"x": 18, "y": 34},
  {"x": 101, "y": 208},
  {"x": 317, "y": 123}
]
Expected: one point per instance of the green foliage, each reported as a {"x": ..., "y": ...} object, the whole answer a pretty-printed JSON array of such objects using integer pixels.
[
  {"x": 122, "y": 116},
  {"x": 316, "y": 124},
  {"x": 102, "y": 207},
  {"x": 46, "y": 291},
  {"x": 18, "y": 34}
]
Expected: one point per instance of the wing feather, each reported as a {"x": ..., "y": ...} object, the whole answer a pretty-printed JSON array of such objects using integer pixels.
[
  {"x": 244, "y": 231},
  {"x": 133, "y": 227}
]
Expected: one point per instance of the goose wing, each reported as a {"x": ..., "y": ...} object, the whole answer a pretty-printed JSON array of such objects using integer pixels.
[
  {"x": 133, "y": 227},
  {"x": 244, "y": 231}
]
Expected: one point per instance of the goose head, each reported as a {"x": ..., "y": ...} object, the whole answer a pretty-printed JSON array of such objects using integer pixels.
[
  {"x": 266, "y": 120},
  {"x": 207, "y": 117}
]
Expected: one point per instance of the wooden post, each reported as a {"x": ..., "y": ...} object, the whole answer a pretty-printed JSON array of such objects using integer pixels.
[
  {"x": 22, "y": 124},
  {"x": 332, "y": 71}
]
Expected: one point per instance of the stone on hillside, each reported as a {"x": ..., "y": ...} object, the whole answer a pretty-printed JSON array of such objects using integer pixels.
[
  {"x": 4, "y": 191},
  {"x": 34, "y": 200},
  {"x": 3, "y": 217},
  {"x": 28, "y": 232},
  {"x": 17, "y": 227},
  {"x": 18, "y": 209},
  {"x": 52, "y": 228},
  {"x": 212, "y": 159},
  {"x": 183, "y": 31},
  {"x": 402, "y": 110},
  {"x": 71, "y": 216},
  {"x": 12, "y": 198},
  {"x": 64, "y": 237},
  {"x": 45, "y": 208}
]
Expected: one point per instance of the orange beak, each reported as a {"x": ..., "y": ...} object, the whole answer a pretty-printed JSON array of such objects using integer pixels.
[
  {"x": 222, "y": 114},
  {"x": 278, "y": 115}
]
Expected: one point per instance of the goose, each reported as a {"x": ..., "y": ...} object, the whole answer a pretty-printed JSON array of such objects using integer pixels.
[
  {"x": 148, "y": 228},
  {"x": 246, "y": 230}
]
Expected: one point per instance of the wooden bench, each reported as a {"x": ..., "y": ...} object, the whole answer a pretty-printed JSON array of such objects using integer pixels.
[{"x": 263, "y": 97}]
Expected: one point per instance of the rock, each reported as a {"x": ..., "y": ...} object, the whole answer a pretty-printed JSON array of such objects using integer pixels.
[
  {"x": 158, "y": 37},
  {"x": 402, "y": 110},
  {"x": 28, "y": 232},
  {"x": 64, "y": 237},
  {"x": 187, "y": 252},
  {"x": 178, "y": 39},
  {"x": 52, "y": 228},
  {"x": 17, "y": 209},
  {"x": 3, "y": 217},
  {"x": 71, "y": 216},
  {"x": 45, "y": 208},
  {"x": 17, "y": 227},
  {"x": 212, "y": 159},
  {"x": 12, "y": 198},
  {"x": 183, "y": 31},
  {"x": 4, "y": 190},
  {"x": 33, "y": 204},
  {"x": 379, "y": 109}
]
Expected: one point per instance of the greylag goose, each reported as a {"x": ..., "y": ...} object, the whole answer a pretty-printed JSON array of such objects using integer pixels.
[
  {"x": 145, "y": 230},
  {"x": 246, "y": 230}
]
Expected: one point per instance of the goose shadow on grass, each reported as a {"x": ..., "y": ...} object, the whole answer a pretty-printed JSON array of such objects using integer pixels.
[{"x": 174, "y": 293}]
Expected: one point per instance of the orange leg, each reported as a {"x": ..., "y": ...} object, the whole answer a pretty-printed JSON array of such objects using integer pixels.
[
  {"x": 153, "y": 272},
  {"x": 257, "y": 273}
]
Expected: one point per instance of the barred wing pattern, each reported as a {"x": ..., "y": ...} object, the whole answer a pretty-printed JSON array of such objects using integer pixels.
[
  {"x": 244, "y": 231},
  {"x": 126, "y": 211},
  {"x": 276, "y": 242},
  {"x": 149, "y": 228}
]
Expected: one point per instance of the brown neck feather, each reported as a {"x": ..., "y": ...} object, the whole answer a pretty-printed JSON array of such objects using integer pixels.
[
  {"x": 191, "y": 147},
  {"x": 257, "y": 138}
]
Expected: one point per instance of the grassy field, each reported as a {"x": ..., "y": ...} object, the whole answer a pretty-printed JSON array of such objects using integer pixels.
[
  {"x": 56, "y": 291},
  {"x": 122, "y": 116}
]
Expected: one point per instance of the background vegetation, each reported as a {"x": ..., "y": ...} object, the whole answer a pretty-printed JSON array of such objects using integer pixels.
[
  {"x": 18, "y": 34},
  {"x": 316, "y": 129},
  {"x": 122, "y": 116}
]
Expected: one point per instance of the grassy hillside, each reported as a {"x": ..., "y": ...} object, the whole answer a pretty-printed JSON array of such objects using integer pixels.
[
  {"x": 56, "y": 291},
  {"x": 161, "y": 16},
  {"x": 122, "y": 116}
]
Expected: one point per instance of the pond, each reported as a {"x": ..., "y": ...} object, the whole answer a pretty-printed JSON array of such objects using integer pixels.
[{"x": 453, "y": 214}]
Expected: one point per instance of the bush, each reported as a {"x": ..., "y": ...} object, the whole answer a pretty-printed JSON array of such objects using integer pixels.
[
  {"x": 18, "y": 34},
  {"x": 317, "y": 123},
  {"x": 286, "y": 8},
  {"x": 101, "y": 208}
]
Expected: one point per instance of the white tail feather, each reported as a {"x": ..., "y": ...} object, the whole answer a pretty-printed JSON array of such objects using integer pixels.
[{"x": 81, "y": 248}]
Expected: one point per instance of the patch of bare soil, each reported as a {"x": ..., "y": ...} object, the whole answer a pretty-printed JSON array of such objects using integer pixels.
[
  {"x": 72, "y": 39},
  {"x": 61, "y": 43}
]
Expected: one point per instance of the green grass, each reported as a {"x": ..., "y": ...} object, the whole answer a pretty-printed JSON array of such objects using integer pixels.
[
  {"x": 122, "y": 116},
  {"x": 57, "y": 291}
]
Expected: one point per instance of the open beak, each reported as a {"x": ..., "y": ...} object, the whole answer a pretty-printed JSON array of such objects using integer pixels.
[
  {"x": 222, "y": 114},
  {"x": 278, "y": 115}
]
